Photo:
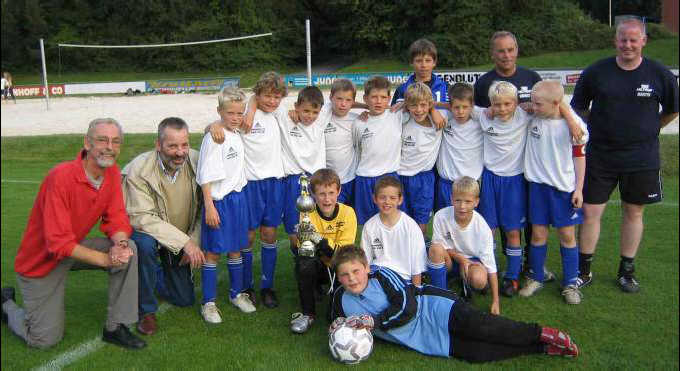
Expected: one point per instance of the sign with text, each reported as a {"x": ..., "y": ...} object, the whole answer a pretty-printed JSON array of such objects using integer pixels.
[
  {"x": 187, "y": 85},
  {"x": 38, "y": 90}
]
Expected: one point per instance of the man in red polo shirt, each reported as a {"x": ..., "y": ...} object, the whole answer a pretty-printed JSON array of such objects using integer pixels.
[{"x": 74, "y": 197}]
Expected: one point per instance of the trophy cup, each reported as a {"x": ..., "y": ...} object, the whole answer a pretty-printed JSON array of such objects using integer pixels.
[{"x": 306, "y": 231}]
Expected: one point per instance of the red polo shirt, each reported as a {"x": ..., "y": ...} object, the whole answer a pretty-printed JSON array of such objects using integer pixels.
[{"x": 64, "y": 212}]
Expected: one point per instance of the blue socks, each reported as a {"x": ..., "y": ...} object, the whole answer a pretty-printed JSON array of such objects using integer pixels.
[
  {"x": 209, "y": 282},
  {"x": 569, "y": 265},
  {"x": 437, "y": 272},
  {"x": 235, "y": 267},
  {"x": 247, "y": 255},
  {"x": 268, "y": 264},
  {"x": 537, "y": 255},
  {"x": 514, "y": 262}
]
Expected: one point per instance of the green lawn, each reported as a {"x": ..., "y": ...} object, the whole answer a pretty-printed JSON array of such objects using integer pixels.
[{"x": 614, "y": 330}]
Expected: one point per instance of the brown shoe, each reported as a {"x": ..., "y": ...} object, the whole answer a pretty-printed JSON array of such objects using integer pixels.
[{"x": 147, "y": 325}]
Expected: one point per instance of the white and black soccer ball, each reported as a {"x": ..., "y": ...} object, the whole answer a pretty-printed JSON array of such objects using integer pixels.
[{"x": 350, "y": 345}]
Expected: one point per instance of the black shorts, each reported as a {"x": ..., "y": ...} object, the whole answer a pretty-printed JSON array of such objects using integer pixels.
[{"x": 639, "y": 188}]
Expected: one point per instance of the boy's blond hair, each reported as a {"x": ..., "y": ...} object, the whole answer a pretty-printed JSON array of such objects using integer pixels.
[
  {"x": 376, "y": 82},
  {"x": 502, "y": 89},
  {"x": 422, "y": 47},
  {"x": 324, "y": 177},
  {"x": 311, "y": 95},
  {"x": 551, "y": 90},
  {"x": 466, "y": 185},
  {"x": 343, "y": 85},
  {"x": 349, "y": 253},
  {"x": 388, "y": 181},
  {"x": 462, "y": 91},
  {"x": 418, "y": 92},
  {"x": 270, "y": 82},
  {"x": 230, "y": 94}
]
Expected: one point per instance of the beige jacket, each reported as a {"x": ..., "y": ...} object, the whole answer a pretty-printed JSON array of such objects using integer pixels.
[{"x": 146, "y": 205}]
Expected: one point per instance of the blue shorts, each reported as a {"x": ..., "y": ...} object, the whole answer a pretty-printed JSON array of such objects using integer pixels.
[
  {"x": 265, "y": 202},
  {"x": 418, "y": 196},
  {"x": 550, "y": 206},
  {"x": 364, "y": 206},
  {"x": 347, "y": 193},
  {"x": 442, "y": 193},
  {"x": 503, "y": 201},
  {"x": 291, "y": 191},
  {"x": 232, "y": 233}
]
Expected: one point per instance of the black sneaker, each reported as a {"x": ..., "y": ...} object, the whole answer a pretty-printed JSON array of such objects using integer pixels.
[
  {"x": 510, "y": 287},
  {"x": 251, "y": 296},
  {"x": 269, "y": 298},
  {"x": 628, "y": 283},
  {"x": 123, "y": 337},
  {"x": 8, "y": 293},
  {"x": 584, "y": 280}
]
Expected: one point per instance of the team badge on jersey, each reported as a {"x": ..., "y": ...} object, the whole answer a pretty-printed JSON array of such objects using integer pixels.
[
  {"x": 644, "y": 91},
  {"x": 491, "y": 132},
  {"x": 330, "y": 128},
  {"x": 295, "y": 132},
  {"x": 231, "y": 153},
  {"x": 524, "y": 93},
  {"x": 535, "y": 132},
  {"x": 408, "y": 142},
  {"x": 257, "y": 129},
  {"x": 366, "y": 134}
]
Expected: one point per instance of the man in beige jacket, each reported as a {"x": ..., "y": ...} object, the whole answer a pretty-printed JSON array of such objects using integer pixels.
[{"x": 164, "y": 205}]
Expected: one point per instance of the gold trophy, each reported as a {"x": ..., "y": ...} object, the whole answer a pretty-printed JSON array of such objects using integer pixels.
[{"x": 306, "y": 231}]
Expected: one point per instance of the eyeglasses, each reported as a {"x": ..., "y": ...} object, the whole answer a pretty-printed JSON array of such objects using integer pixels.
[{"x": 104, "y": 141}]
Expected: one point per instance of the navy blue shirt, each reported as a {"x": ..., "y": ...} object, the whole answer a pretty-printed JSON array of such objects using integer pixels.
[
  {"x": 624, "y": 120},
  {"x": 523, "y": 79},
  {"x": 436, "y": 85}
]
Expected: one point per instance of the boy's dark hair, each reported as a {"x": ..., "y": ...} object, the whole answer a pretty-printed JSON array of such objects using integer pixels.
[
  {"x": 348, "y": 253},
  {"x": 311, "y": 95},
  {"x": 324, "y": 177},
  {"x": 422, "y": 47},
  {"x": 388, "y": 181},
  {"x": 462, "y": 91},
  {"x": 270, "y": 81},
  {"x": 173, "y": 123},
  {"x": 343, "y": 85},
  {"x": 376, "y": 82}
]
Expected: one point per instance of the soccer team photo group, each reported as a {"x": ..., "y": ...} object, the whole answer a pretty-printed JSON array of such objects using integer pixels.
[{"x": 425, "y": 220}]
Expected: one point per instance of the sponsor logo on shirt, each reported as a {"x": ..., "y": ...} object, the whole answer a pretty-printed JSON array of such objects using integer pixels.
[
  {"x": 448, "y": 236},
  {"x": 231, "y": 153},
  {"x": 330, "y": 128},
  {"x": 448, "y": 129},
  {"x": 295, "y": 132},
  {"x": 329, "y": 228},
  {"x": 408, "y": 142},
  {"x": 339, "y": 224},
  {"x": 524, "y": 92},
  {"x": 257, "y": 129},
  {"x": 376, "y": 244},
  {"x": 491, "y": 132},
  {"x": 575, "y": 216},
  {"x": 535, "y": 132},
  {"x": 644, "y": 91},
  {"x": 366, "y": 134}
]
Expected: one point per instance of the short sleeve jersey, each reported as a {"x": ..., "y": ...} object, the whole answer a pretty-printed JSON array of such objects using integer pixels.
[
  {"x": 462, "y": 149},
  {"x": 262, "y": 146},
  {"x": 473, "y": 241},
  {"x": 340, "y": 152},
  {"x": 523, "y": 79},
  {"x": 548, "y": 154},
  {"x": 222, "y": 164},
  {"x": 437, "y": 86},
  {"x": 419, "y": 147},
  {"x": 303, "y": 146},
  {"x": 624, "y": 120},
  {"x": 379, "y": 143},
  {"x": 504, "y": 143},
  {"x": 400, "y": 247}
]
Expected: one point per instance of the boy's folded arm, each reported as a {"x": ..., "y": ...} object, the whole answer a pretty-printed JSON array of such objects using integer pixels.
[
  {"x": 250, "y": 115},
  {"x": 437, "y": 118},
  {"x": 403, "y": 305},
  {"x": 574, "y": 128}
]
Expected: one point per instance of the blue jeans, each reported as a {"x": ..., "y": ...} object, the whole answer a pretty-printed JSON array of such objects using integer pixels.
[{"x": 175, "y": 283}]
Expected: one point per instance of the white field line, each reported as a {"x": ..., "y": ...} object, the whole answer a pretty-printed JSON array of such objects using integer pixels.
[{"x": 20, "y": 181}]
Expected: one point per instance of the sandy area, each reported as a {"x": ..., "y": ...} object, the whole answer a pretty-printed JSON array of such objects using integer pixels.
[{"x": 139, "y": 114}]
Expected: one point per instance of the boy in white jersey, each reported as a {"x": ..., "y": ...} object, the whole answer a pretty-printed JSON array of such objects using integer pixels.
[
  {"x": 420, "y": 140},
  {"x": 221, "y": 175},
  {"x": 462, "y": 244},
  {"x": 461, "y": 151},
  {"x": 555, "y": 187},
  {"x": 504, "y": 192},
  {"x": 391, "y": 238}
]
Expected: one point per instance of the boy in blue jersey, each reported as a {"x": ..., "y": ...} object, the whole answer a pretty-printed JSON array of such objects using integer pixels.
[
  {"x": 430, "y": 320},
  {"x": 423, "y": 57}
]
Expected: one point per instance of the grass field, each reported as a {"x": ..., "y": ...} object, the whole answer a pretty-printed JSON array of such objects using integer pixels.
[{"x": 614, "y": 330}]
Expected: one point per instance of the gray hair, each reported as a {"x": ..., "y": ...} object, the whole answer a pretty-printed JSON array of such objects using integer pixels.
[
  {"x": 173, "y": 123},
  {"x": 101, "y": 121},
  {"x": 498, "y": 34},
  {"x": 632, "y": 21}
]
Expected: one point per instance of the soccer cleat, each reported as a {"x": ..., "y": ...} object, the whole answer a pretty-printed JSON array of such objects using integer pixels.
[
  {"x": 269, "y": 298},
  {"x": 584, "y": 280},
  {"x": 530, "y": 287},
  {"x": 572, "y": 295},
  {"x": 210, "y": 312},
  {"x": 251, "y": 295},
  {"x": 556, "y": 337},
  {"x": 8, "y": 293},
  {"x": 242, "y": 302},
  {"x": 300, "y": 323},
  {"x": 553, "y": 350},
  {"x": 510, "y": 287},
  {"x": 628, "y": 283},
  {"x": 548, "y": 276}
]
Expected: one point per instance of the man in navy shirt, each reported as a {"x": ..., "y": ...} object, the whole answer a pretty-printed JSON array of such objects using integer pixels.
[{"x": 624, "y": 123}]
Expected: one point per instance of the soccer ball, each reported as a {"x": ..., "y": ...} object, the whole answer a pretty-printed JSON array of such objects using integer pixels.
[{"x": 350, "y": 345}]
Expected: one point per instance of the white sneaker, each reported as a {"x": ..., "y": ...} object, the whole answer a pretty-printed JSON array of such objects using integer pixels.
[
  {"x": 572, "y": 295},
  {"x": 242, "y": 302},
  {"x": 300, "y": 323},
  {"x": 530, "y": 287},
  {"x": 210, "y": 312}
]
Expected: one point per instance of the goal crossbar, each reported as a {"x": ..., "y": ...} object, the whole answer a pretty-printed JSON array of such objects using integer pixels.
[{"x": 164, "y": 45}]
